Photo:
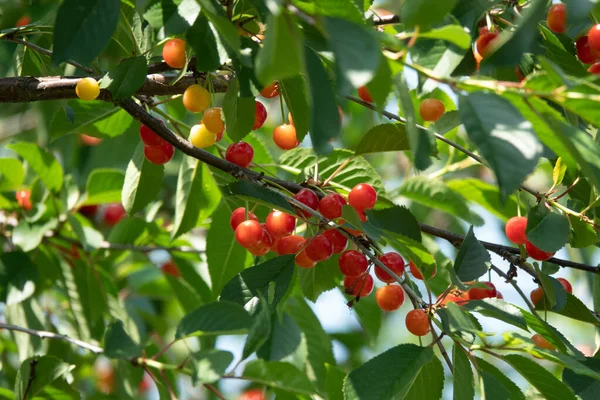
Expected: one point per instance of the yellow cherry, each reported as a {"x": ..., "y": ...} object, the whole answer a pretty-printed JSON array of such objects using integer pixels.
[
  {"x": 87, "y": 89},
  {"x": 202, "y": 137}
]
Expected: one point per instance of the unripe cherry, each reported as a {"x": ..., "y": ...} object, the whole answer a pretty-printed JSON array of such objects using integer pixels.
[
  {"x": 358, "y": 285},
  {"x": 353, "y": 263},
  {"x": 290, "y": 244},
  {"x": 270, "y": 91},
  {"x": 240, "y": 153},
  {"x": 249, "y": 233},
  {"x": 337, "y": 239},
  {"x": 364, "y": 94},
  {"x": 537, "y": 254},
  {"x": 417, "y": 322},
  {"x": 319, "y": 249},
  {"x": 362, "y": 197},
  {"x": 280, "y": 224},
  {"x": 330, "y": 206},
  {"x": 393, "y": 261},
  {"x": 389, "y": 297},
  {"x": 285, "y": 137},
  {"x": 260, "y": 115},
  {"x": 174, "y": 53},
  {"x": 515, "y": 230},
  {"x": 431, "y": 109},
  {"x": 309, "y": 199}
]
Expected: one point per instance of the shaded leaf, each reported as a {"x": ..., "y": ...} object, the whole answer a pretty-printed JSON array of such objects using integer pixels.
[{"x": 217, "y": 318}]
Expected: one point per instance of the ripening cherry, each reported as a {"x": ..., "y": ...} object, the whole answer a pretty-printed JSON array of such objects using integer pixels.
[
  {"x": 566, "y": 285},
  {"x": 239, "y": 215},
  {"x": 594, "y": 69},
  {"x": 87, "y": 89},
  {"x": 174, "y": 53},
  {"x": 89, "y": 140},
  {"x": 364, "y": 94},
  {"x": 304, "y": 261},
  {"x": 431, "y": 109},
  {"x": 393, "y": 261},
  {"x": 290, "y": 244},
  {"x": 285, "y": 137},
  {"x": 149, "y": 137},
  {"x": 270, "y": 91},
  {"x": 594, "y": 39},
  {"x": 196, "y": 99},
  {"x": 358, "y": 285},
  {"x": 159, "y": 154},
  {"x": 253, "y": 394},
  {"x": 337, "y": 239},
  {"x": 240, "y": 153},
  {"x": 280, "y": 224},
  {"x": 542, "y": 343},
  {"x": 24, "y": 199},
  {"x": 417, "y": 322},
  {"x": 537, "y": 254},
  {"x": 584, "y": 51},
  {"x": 362, "y": 197},
  {"x": 319, "y": 249},
  {"x": 416, "y": 273},
  {"x": 459, "y": 298},
  {"x": 260, "y": 115},
  {"x": 389, "y": 297},
  {"x": 213, "y": 120},
  {"x": 557, "y": 18},
  {"x": 24, "y": 20},
  {"x": 483, "y": 43},
  {"x": 249, "y": 233},
  {"x": 476, "y": 293},
  {"x": 265, "y": 244},
  {"x": 169, "y": 268},
  {"x": 309, "y": 199},
  {"x": 113, "y": 213},
  {"x": 330, "y": 206},
  {"x": 515, "y": 230},
  {"x": 536, "y": 295},
  {"x": 202, "y": 137},
  {"x": 353, "y": 263},
  {"x": 145, "y": 384}
]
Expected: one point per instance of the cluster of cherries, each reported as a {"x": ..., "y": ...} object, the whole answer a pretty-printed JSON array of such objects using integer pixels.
[
  {"x": 515, "y": 231},
  {"x": 430, "y": 109}
]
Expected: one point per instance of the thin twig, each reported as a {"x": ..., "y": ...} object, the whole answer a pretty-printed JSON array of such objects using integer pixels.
[
  {"x": 45, "y": 52},
  {"x": 214, "y": 390},
  {"x": 52, "y": 335}
]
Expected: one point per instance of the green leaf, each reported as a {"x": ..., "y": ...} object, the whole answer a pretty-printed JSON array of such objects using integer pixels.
[
  {"x": 294, "y": 91},
  {"x": 225, "y": 257},
  {"x": 29, "y": 236},
  {"x": 485, "y": 195},
  {"x": 238, "y": 112},
  {"x": 436, "y": 195},
  {"x": 396, "y": 369},
  {"x": 283, "y": 41},
  {"x": 216, "y": 14},
  {"x": 172, "y": 17},
  {"x": 196, "y": 198},
  {"x": 456, "y": 320},
  {"x": 496, "y": 385},
  {"x": 386, "y": 219},
  {"x": 209, "y": 366},
  {"x": 334, "y": 382},
  {"x": 585, "y": 387},
  {"x": 380, "y": 86},
  {"x": 37, "y": 372},
  {"x": 429, "y": 384},
  {"x": 498, "y": 309},
  {"x": 18, "y": 277},
  {"x": 539, "y": 377},
  {"x": 12, "y": 174},
  {"x": 383, "y": 138},
  {"x": 90, "y": 238},
  {"x": 203, "y": 39},
  {"x": 314, "y": 281},
  {"x": 356, "y": 52},
  {"x": 42, "y": 162},
  {"x": 285, "y": 340},
  {"x": 418, "y": 139},
  {"x": 118, "y": 344},
  {"x": 369, "y": 316},
  {"x": 558, "y": 173},
  {"x": 216, "y": 318},
  {"x": 472, "y": 259},
  {"x": 547, "y": 230},
  {"x": 259, "y": 331},
  {"x": 455, "y": 34},
  {"x": 347, "y": 9},
  {"x": 126, "y": 78},
  {"x": 426, "y": 12},
  {"x": 104, "y": 186},
  {"x": 83, "y": 28},
  {"x": 325, "y": 123},
  {"x": 93, "y": 118},
  {"x": 506, "y": 140},
  {"x": 582, "y": 233},
  {"x": 143, "y": 181},
  {"x": 273, "y": 276},
  {"x": 278, "y": 375},
  {"x": 259, "y": 194},
  {"x": 463, "y": 386}
]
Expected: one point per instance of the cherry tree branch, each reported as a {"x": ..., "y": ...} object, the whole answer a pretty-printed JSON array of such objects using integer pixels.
[{"x": 52, "y": 335}]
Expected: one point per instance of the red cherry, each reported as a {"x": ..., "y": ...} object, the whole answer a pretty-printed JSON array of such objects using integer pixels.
[
  {"x": 145, "y": 384},
  {"x": 239, "y": 215},
  {"x": 459, "y": 299},
  {"x": 240, "y": 153},
  {"x": 362, "y": 197},
  {"x": 113, "y": 214},
  {"x": 364, "y": 94},
  {"x": 309, "y": 199},
  {"x": 499, "y": 296},
  {"x": 174, "y": 53},
  {"x": 566, "y": 284},
  {"x": 149, "y": 137},
  {"x": 353, "y": 263},
  {"x": 483, "y": 43},
  {"x": 337, "y": 239},
  {"x": 557, "y": 18},
  {"x": 536, "y": 295},
  {"x": 584, "y": 51},
  {"x": 417, "y": 322},
  {"x": 280, "y": 224},
  {"x": 169, "y": 268},
  {"x": 285, "y": 137},
  {"x": 515, "y": 230},
  {"x": 249, "y": 234},
  {"x": 389, "y": 297},
  {"x": 330, "y": 206},
  {"x": 304, "y": 261},
  {"x": 431, "y": 109},
  {"x": 416, "y": 273},
  {"x": 270, "y": 91},
  {"x": 290, "y": 244},
  {"x": 594, "y": 39},
  {"x": 260, "y": 115},
  {"x": 393, "y": 261},
  {"x": 24, "y": 199},
  {"x": 159, "y": 154},
  {"x": 88, "y": 211},
  {"x": 253, "y": 394},
  {"x": 481, "y": 293},
  {"x": 265, "y": 244},
  {"x": 319, "y": 248},
  {"x": 537, "y": 254},
  {"x": 541, "y": 342},
  {"x": 594, "y": 69},
  {"x": 24, "y": 20},
  {"x": 358, "y": 285}
]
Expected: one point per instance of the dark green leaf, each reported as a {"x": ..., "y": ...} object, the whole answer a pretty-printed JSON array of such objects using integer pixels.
[
  {"x": 217, "y": 318},
  {"x": 294, "y": 91},
  {"x": 37, "y": 372},
  {"x": 143, "y": 181},
  {"x": 387, "y": 219},
  {"x": 334, "y": 382},
  {"x": 238, "y": 112},
  {"x": 582, "y": 233},
  {"x": 457, "y": 320},
  {"x": 429, "y": 384},
  {"x": 83, "y": 29},
  {"x": 285, "y": 340},
  {"x": 216, "y": 14},
  {"x": 209, "y": 365},
  {"x": 419, "y": 140},
  {"x": 201, "y": 36},
  {"x": 472, "y": 259},
  {"x": 278, "y": 375},
  {"x": 11, "y": 174},
  {"x": 463, "y": 386},
  {"x": 18, "y": 277},
  {"x": 383, "y": 138},
  {"x": 380, "y": 86},
  {"x": 505, "y": 139},
  {"x": 118, "y": 344},
  {"x": 104, "y": 186},
  {"x": 496, "y": 385},
  {"x": 498, "y": 309},
  {"x": 584, "y": 387},
  {"x": 94, "y": 118},
  {"x": 126, "y": 78},
  {"x": 547, "y": 230},
  {"x": 172, "y": 16},
  {"x": 260, "y": 329},
  {"x": 314, "y": 281},
  {"x": 426, "y": 12},
  {"x": 42, "y": 162}
]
